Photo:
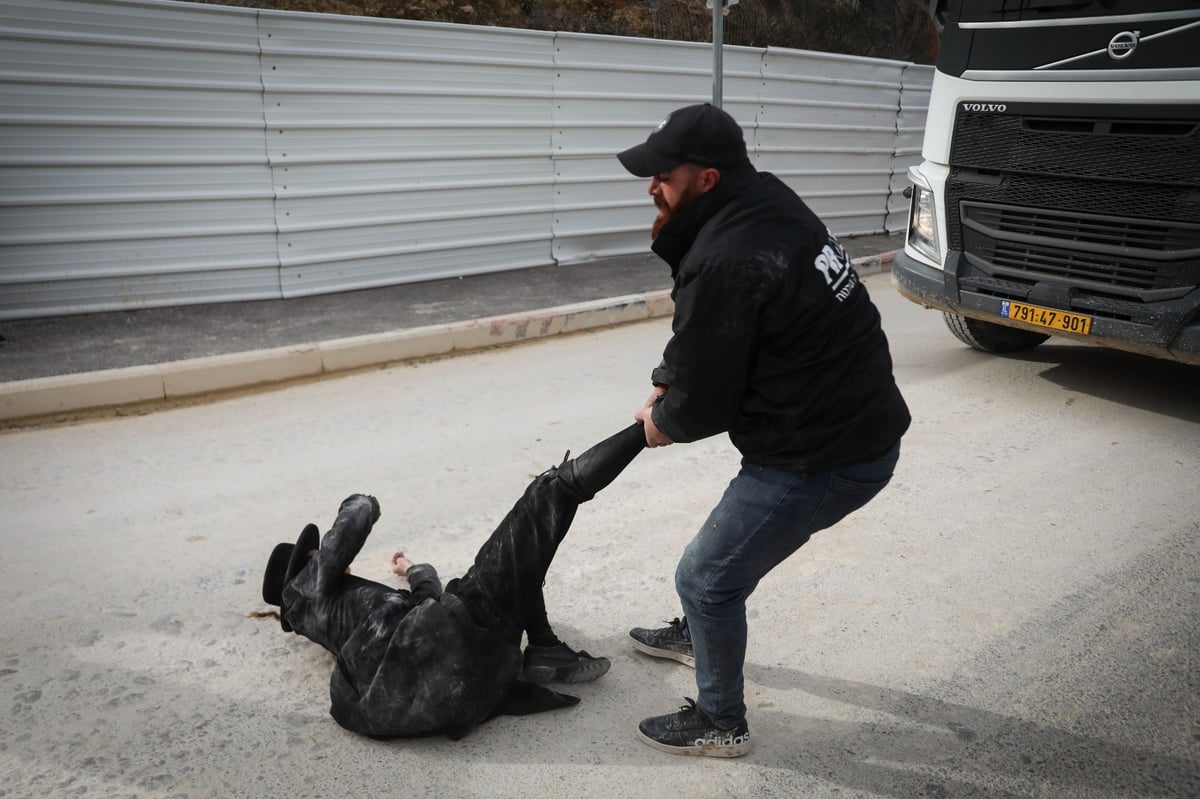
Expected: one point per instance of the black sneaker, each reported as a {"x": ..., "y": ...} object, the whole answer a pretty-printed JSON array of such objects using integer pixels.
[
  {"x": 690, "y": 732},
  {"x": 561, "y": 663},
  {"x": 670, "y": 642}
]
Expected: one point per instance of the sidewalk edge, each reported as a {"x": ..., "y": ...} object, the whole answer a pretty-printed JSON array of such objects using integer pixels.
[
  {"x": 38, "y": 398},
  {"x": 42, "y": 399}
]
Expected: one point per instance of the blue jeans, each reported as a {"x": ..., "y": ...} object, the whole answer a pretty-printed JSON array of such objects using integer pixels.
[{"x": 764, "y": 516}]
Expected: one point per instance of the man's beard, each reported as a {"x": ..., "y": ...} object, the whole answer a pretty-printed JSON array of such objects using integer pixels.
[{"x": 667, "y": 212}]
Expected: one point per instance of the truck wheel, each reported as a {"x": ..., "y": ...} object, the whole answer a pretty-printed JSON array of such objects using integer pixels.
[{"x": 989, "y": 337}]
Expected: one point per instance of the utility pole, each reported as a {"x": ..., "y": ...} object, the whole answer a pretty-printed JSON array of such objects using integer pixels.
[{"x": 718, "y": 8}]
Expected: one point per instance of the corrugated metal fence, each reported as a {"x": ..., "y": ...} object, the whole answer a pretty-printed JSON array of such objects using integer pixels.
[{"x": 159, "y": 153}]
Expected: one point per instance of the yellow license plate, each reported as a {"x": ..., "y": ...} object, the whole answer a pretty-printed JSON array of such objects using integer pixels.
[{"x": 1047, "y": 317}]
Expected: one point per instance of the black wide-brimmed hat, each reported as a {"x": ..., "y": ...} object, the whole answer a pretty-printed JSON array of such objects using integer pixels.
[{"x": 286, "y": 561}]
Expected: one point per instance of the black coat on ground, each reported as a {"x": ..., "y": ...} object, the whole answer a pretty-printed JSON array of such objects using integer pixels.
[{"x": 424, "y": 661}]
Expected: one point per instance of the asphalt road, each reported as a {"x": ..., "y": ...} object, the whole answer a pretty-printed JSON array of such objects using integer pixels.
[{"x": 1015, "y": 616}]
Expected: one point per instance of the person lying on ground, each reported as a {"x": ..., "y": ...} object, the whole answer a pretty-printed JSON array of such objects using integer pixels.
[{"x": 427, "y": 660}]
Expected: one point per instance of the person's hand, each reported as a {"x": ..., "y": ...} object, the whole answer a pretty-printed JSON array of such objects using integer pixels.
[
  {"x": 654, "y": 436},
  {"x": 401, "y": 564}
]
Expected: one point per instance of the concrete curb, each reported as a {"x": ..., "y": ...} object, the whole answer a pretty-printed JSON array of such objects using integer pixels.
[
  {"x": 93, "y": 391},
  {"x": 48, "y": 397}
]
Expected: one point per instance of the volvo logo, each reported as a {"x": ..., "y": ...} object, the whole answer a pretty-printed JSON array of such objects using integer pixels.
[
  {"x": 987, "y": 108},
  {"x": 1123, "y": 44}
]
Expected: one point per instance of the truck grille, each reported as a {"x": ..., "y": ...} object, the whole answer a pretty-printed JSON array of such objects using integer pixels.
[
  {"x": 1109, "y": 205},
  {"x": 1033, "y": 142},
  {"x": 1109, "y": 255}
]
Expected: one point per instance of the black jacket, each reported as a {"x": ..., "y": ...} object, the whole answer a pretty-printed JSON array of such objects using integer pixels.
[
  {"x": 419, "y": 664},
  {"x": 408, "y": 662},
  {"x": 424, "y": 661},
  {"x": 774, "y": 339}
]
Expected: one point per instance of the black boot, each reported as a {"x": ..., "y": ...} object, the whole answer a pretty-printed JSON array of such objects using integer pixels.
[
  {"x": 592, "y": 471},
  {"x": 340, "y": 546}
]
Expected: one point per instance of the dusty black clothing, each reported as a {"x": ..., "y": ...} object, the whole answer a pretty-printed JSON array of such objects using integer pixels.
[
  {"x": 774, "y": 340},
  {"x": 423, "y": 661}
]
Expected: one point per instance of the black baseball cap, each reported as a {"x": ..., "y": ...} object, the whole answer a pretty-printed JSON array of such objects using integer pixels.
[{"x": 698, "y": 134}]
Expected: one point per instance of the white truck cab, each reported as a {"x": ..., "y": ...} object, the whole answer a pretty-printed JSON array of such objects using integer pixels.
[{"x": 1059, "y": 192}]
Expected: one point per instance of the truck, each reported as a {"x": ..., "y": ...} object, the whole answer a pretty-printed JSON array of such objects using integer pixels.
[{"x": 1059, "y": 188}]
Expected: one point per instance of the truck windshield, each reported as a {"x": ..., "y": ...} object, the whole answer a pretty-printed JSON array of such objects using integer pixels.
[
  {"x": 1111, "y": 39},
  {"x": 1047, "y": 10}
]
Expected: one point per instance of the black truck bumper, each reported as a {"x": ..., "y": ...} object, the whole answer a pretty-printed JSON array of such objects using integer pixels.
[{"x": 1171, "y": 331}]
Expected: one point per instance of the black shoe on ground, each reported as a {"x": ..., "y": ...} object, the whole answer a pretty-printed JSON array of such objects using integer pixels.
[
  {"x": 561, "y": 663},
  {"x": 670, "y": 642},
  {"x": 689, "y": 731}
]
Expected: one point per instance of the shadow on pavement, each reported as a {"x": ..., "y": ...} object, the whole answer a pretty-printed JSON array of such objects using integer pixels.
[{"x": 1138, "y": 381}]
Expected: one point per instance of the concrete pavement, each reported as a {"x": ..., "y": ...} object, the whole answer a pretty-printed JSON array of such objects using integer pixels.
[
  {"x": 1015, "y": 616},
  {"x": 61, "y": 368}
]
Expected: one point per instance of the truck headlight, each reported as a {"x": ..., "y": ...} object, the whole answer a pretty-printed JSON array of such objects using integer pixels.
[{"x": 922, "y": 223}]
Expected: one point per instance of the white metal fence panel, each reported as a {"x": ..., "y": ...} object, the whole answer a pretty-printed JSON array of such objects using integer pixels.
[
  {"x": 132, "y": 169},
  {"x": 910, "y": 130},
  {"x": 405, "y": 151},
  {"x": 609, "y": 93},
  {"x": 156, "y": 153},
  {"x": 826, "y": 128}
]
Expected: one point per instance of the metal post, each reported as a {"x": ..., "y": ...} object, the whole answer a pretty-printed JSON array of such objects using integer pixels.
[{"x": 718, "y": 37}]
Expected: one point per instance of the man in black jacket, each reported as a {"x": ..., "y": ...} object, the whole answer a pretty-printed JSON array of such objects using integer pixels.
[
  {"x": 427, "y": 660},
  {"x": 776, "y": 342}
]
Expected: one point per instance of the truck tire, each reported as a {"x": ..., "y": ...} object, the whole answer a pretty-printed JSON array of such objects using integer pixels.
[{"x": 989, "y": 337}]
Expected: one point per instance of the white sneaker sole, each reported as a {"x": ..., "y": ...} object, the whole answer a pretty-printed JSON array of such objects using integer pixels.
[{"x": 704, "y": 750}]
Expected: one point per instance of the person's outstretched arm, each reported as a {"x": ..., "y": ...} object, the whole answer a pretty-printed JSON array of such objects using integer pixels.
[{"x": 422, "y": 577}]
